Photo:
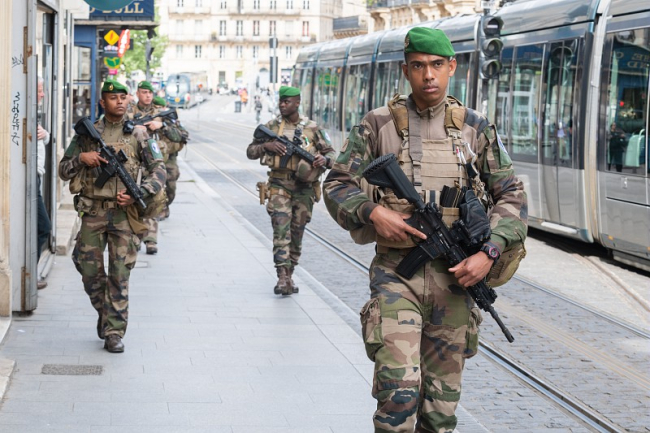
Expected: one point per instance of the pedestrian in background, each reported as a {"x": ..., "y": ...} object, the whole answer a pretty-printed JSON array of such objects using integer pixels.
[
  {"x": 292, "y": 190},
  {"x": 419, "y": 332},
  {"x": 44, "y": 225},
  {"x": 108, "y": 214}
]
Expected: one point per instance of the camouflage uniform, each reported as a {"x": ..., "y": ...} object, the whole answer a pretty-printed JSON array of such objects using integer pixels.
[
  {"x": 104, "y": 222},
  {"x": 173, "y": 173},
  {"x": 290, "y": 201},
  {"x": 166, "y": 144},
  {"x": 420, "y": 331}
]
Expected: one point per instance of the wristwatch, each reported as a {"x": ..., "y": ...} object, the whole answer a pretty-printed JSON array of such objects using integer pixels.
[{"x": 491, "y": 250}]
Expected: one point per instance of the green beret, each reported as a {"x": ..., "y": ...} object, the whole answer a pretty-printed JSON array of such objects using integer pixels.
[
  {"x": 428, "y": 41},
  {"x": 145, "y": 85},
  {"x": 286, "y": 91},
  {"x": 157, "y": 100},
  {"x": 111, "y": 86}
]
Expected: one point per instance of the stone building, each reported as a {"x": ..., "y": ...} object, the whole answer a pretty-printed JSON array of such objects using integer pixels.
[
  {"x": 390, "y": 14},
  {"x": 230, "y": 39}
]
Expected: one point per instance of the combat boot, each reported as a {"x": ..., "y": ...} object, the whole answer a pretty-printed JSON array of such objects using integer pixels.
[
  {"x": 284, "y": 283},
  {"x": 293, "y": 285},
  {"x": 113, "y": 343},
  {"x": 152, "y": 248}
]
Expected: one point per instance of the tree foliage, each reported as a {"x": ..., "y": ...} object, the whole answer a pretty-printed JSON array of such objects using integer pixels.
[{"x": 134, "y": 59}]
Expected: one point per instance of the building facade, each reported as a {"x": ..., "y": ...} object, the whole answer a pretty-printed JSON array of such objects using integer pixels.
[
  {"x": 230, "y": 39},
  {"x": 390, "y": 14}
]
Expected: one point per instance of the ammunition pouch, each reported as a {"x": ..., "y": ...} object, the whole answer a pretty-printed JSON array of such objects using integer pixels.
[
  {"x": 155, "y": 204},
  {"x": 263, "y": 191},
  {"x": 305, "y": 172},
  {"x": 507, "y": 265},
  {"x": 475, "y": 220}
]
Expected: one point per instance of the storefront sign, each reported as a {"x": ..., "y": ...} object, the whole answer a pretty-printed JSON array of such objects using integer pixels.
[
  {"x": 108, "y": 5},
  {"x": 138, "y": 9}
]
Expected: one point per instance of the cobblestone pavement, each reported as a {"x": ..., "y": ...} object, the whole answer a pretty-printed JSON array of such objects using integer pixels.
[{"x": 601, "y": 360}]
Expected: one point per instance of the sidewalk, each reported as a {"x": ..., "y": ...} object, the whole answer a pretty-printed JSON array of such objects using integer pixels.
[{"x": 209, "y": 347}]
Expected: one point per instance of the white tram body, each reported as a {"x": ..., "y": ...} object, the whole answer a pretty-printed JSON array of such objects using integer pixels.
[{"x": 570, "y": 103}]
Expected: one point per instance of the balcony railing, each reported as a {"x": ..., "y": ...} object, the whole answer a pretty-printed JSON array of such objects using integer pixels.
[
  {"x": 347, "y": 24},
  {"x": 376, "y": 4}
]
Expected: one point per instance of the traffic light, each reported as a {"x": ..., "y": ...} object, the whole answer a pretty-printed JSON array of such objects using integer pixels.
[{"x": 490, "y": 46}]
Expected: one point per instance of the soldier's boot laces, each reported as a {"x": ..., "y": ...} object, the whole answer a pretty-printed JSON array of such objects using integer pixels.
[
  {"x": 293, "y": 285},
  {"x": 113, "y": 343}
]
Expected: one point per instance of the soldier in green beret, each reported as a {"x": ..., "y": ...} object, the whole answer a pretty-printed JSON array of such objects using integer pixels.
[
  {"x": 170, "y": 140},
  {"x": 420, "y": 331},
  {"x": 159, "y": 101},
  {"x": 292, "y": 189},
  {"x": 108, "y": 214}
]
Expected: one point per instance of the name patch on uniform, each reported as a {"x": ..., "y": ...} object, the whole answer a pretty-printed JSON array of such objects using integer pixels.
[{"x": 155, "y": 150}]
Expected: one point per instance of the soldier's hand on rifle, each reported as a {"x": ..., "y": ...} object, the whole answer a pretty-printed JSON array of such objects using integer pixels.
[
  {"x": 91, "y": 159},
  {"x": 473, "y": 269},
  {"x": 275, "y": 147},
  {"x": 391, "y": 225},
  {"x": 320, "y": 161},
  {"x": 124, "y": 199},
  {"x": 154, "y": 124}
]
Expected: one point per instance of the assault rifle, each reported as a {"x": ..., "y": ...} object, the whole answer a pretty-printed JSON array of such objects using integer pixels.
[
  {"x": 85, "y": 128},
  {"x": 293, "y": 147},
  {"x": 170, "y": 114},
  {"x": 452, "y": 244}
]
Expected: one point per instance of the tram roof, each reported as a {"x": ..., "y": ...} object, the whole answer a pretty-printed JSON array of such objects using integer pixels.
[
  {"x": 622, "y": 7},
  {"x": 365, "y": 45},
  {"x": 309, "y": 53},
  {"x": 334, "y": 50},
  {"x": 458, "y": 28},
  {"x": 527, "y": 15}
]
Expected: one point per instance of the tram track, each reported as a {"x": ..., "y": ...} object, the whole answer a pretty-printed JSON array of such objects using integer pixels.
[{"x": 566, "y": 401}]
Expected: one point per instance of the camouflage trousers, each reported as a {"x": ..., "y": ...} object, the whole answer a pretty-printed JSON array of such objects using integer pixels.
[
  {"x": 419, "y": 333},
  {"x": 109, "y": 294},
  {"x": 151, "y": 235},
  {"x": 290, "y": 212},
  {"x": 173, "y": 173}
]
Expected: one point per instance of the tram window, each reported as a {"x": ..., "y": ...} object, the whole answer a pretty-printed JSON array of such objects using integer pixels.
[
  {"x": 526, "y": 87},
  {"x": 326, "y": 97},
  {"x": 458, "y": 83},
  {"x": 356, "y": 87},
  {"x": 561, "y": 66},
  {"x": 627, "y": 101},
  {"x": 305, "y": 94},
  {"x": 387, "y": 82}
]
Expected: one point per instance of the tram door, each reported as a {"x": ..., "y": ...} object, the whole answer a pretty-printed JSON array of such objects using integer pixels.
[
  {"x": 624, "y": 178},
  {"x": 560, "y": 176}
]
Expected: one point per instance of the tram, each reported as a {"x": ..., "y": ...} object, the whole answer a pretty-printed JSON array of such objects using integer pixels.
[
  {"x": 570, "y": 103},
  {"x": 186, "y": 89}
]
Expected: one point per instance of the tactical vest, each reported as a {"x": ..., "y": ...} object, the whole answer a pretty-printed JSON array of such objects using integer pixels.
[
  {"x": 430, "y": 164},
  {"x": 273, "y": 161},
  {"x": 163, "y": 142},
  {"x": 114, "y": 137}
]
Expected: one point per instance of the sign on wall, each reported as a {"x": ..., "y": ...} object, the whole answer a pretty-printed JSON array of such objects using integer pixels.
[
  {"x": 108, "y": 5},
  {"x": 138, "y": 10}
]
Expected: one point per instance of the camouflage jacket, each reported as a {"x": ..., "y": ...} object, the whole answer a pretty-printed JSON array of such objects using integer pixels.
[
  {"x": 377, "y": 135},
  {"x": 149, "y": 156},
  {"x": 170, "y": 133}
]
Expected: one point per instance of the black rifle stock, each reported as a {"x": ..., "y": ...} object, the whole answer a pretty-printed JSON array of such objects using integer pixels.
[
  {"x": 441, "y": 241},
  {"x": 114, "y": 165},
  {"x": 293, "y": 147}
]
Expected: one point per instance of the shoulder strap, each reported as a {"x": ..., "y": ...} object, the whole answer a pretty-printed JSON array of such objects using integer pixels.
[{"x": 398, "y": 111}]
